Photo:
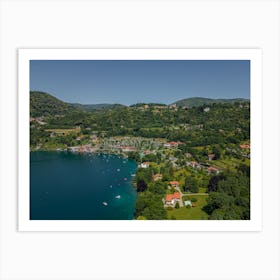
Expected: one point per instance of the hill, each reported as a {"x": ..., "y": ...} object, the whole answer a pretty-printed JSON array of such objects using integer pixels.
[
  {"x": 200, "y": 101},
  {"x": 44, "y": 104}
]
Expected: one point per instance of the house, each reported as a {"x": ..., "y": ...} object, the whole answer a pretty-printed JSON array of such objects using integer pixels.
[
  {"x": 245, "y": 146},
  {"x": 144, "y": 164},
  {"x": 188, "y": 203},
  {"x": 172, "y": 106},
  {"x": 193, "y": 164},
  {"x": 207, "y": 109},
  {"x": 157, "y": 177},
  {"x": 188, "y": 155},
  {"x": 85, "y": 148},
  {"x": 213, "y": 170},
  {"x": 167, "y": 145},
  {"x": 174, "y": 159},
  {"x": 172, "y": 144},
  {"x": 174, "y": 184},
  {"x": 211, "y": 156},
  {"x": 147, "y": 152},
  {"x": 128, "y": 149},
  {"x": 172, "y": 199}
]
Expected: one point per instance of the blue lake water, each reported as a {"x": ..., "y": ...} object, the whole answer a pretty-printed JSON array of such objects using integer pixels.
[{"x": 68, "y": 186}]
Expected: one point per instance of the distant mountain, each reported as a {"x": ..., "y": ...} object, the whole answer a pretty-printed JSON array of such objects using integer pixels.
[
  {"x": 44, "y": 104},
  {"x": 96, "y": 107},
  {"x": 200, "y": 101}
]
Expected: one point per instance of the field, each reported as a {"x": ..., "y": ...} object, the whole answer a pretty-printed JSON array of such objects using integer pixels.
[
  {"x": 61, "y": 131},
  {"x": 193, "y": 213},
  {"x": 231, "y": 163}
]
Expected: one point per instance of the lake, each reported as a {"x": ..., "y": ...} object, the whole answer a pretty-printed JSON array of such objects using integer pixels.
[{"x": 69, "y": 186}]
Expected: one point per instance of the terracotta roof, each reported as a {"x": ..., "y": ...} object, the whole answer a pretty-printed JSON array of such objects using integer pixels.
[
  {"x": 175, "y": 195},
  {"x": 245, "y": 146},
  {"x": 156, "y": 176},
  {"x": 211, "y": 168},
  {"x": 174, "y": 183}
]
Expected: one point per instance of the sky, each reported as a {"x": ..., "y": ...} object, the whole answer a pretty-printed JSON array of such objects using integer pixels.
[{"x": 135, "y": 81}]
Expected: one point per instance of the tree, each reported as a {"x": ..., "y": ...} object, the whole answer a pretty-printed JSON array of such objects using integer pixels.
[
  {"x": 191, "y": 185},
  {"x": 217, "y": 152},
  {"x": 213, "y": 183},
  {"x": 141, "y": 185},
  {"x": 231, "y": 198}
]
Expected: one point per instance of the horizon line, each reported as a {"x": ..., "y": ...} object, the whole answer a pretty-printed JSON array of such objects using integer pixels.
[{"x": 141, "y": 102}]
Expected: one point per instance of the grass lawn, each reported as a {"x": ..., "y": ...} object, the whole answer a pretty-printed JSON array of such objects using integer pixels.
[
  {"x": 193, "y": 213},
  {"x": 65, "y": 131},
  {"x": 230, "y": 163},
  {"x": 202, "y": 189}
]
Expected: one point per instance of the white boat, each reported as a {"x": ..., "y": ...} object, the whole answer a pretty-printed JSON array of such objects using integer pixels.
[
  {"x": 118, "y": 170},
  {"x": 105, "y": 203},
  {"x": 118, "y": 196}
]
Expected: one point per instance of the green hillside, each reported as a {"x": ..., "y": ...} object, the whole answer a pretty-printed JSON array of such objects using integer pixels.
[
  {"x": 200, "y": 101},
  {"x": 96, "y": 107},
  {"x": 44, "y": 104}
]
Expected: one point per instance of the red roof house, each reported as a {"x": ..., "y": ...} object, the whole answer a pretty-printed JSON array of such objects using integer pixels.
[
  {"x": 171, "y": 199},
  {"x": 174, "y": 183}
]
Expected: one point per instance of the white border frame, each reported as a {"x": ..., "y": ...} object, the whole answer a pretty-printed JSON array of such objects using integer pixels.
[{"x": 254, "y": 55}]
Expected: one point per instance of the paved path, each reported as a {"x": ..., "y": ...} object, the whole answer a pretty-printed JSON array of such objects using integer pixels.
[{"x": 181, "y": 200}]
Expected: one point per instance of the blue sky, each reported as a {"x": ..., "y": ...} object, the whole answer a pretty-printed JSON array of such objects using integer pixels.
[{"x": 134, "y": 81}]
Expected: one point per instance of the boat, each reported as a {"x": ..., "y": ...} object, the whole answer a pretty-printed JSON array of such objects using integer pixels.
[
  {"x": 105, "y": 203},
  {"x": 125, "y": 179},
  {"x": 118, "y": 196},
  {"x": 133, "y": 175},
  {"x": 118, "y": 170}
]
